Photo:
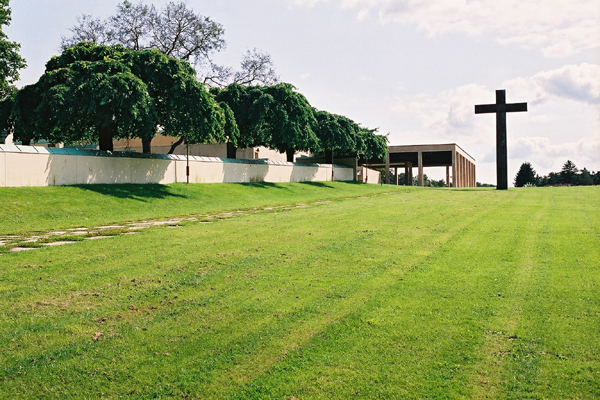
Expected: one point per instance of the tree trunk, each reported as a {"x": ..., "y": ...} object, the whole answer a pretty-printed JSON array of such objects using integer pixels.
[
  {"x": 231, "y": 150},
  {"x": 328, "y": 156},
  {"x": 105, "y": 139},
  {"x": 146, "y": 145},
  {"x": 174, "y": 145},
  {"x": 290, "y": 154}
]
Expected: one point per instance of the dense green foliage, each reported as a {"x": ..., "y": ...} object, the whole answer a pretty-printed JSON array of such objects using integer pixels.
[
  {"x": 337, "y": 135},
  {"x": 418, "y": 294},
  {"x": 10, "y": 64},
  {"x": 251, "y": 107},
  {"x": 341, "y": 137},
  {"x": 427, "y": 181},
  {"x": 569, "y": 175},
  {"x": 370, "y": 145},
  {"x": 280, "y": 118},
  {"x": 10, "y": 59},
  {"x": 100, "y": 93},
  {"x": 95, "y": 93},
  {"x": 290, "y": 120},
  {"x": 526, "y": 175},
  {"x": 107, "y": 85}
]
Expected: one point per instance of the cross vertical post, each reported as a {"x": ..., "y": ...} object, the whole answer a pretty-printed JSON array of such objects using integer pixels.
[{"x": 500, "y": 109}]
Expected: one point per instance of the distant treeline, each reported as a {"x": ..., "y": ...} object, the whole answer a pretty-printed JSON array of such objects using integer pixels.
[{"x": 569, "y": 175}]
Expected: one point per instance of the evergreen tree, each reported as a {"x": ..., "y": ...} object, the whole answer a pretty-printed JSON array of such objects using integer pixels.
[
  {"x": 568, "y": 174},
  {"x": 584, "y": 178},
  {"x": 525, "y": 175}
]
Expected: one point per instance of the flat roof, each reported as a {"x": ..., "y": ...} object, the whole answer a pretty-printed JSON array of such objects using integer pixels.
[{"x": 410, "y": 148}]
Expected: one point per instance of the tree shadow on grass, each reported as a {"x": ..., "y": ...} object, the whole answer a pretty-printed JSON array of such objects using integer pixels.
[
  {"x": 140, "y": 192},
  {"x": 318, "y": 184},
  {"x": 328, "y": 185},
  {"x": 263, "y": 185},
  {"x": 471, "y": 189}
]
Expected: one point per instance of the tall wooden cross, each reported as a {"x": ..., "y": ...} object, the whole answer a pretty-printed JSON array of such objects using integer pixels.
[{"x": 501, "y": 108}]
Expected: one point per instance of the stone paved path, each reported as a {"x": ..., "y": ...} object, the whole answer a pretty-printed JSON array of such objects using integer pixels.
[{"x": 26, "y": 242}]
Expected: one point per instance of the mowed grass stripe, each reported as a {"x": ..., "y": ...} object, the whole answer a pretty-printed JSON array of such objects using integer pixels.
[
  {"x": 491, "y": 377},
  {"x": 247, "y": 308},
  {"x": 416, "y": 338},
  {"x": 41, "y": 209},
  {"x": 392, "y": 270},
  {"x": 88, "y": 263},
  {"x": 557, "y": 346}
]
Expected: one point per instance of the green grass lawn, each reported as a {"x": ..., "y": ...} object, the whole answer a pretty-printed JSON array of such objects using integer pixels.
[
  {"x": 24, "y": 210},
  {"x": 417, "y": 293}
]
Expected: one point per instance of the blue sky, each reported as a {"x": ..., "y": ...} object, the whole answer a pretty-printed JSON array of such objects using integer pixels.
[{"x": 413, "y": 68}]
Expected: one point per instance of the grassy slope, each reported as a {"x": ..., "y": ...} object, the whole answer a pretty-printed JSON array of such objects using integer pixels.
[
  {"x": 25, "y": 210},
  {"x": 426, "y": 293}
]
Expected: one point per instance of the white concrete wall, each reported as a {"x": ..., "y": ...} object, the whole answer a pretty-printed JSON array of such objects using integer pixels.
[
  {"x": 2, "y": 169},
  {"x": 368, "y": 175},
  {"x": 38, "y": 167}
]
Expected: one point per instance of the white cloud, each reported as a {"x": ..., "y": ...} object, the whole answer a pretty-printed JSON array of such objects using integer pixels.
[
  {"x": 305, "y": 76},
  {"x": 452, "y": 111},
  {"x": 574, "y": 82},
  {"x": 363, "y": 14},
  {"x": 547, "y": 157},
  {"x": 563, "y": 122},
  {"x": 577, "y": 82},
  {"x": 559, "y": 28},
  {"x": 449, "y": 113}
]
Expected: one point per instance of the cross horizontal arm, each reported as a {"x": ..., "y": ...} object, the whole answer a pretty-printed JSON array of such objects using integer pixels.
[
  {"x": 516, "y": 107},
  {"x": 486, "y": 108}
]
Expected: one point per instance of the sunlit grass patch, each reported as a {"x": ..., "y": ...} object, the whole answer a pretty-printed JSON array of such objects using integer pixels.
[{"x": 418, "y": 294}]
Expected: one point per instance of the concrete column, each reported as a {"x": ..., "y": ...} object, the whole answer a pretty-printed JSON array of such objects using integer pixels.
[
  {"x": 474, "y": 176},
  {"x": 396, "y": 174},
  {"x": 420, "y": 168},
  {"x": 387, "y": 167},
  {"x": 471, "y": 183},
  {"x": 463, "y": 172},
  {"x": 466, "y": 169},
  {"x": 467, "y": 173},
  {"x": 458, "y": 170},
  {"x": 447, "y": 176},
  {"x": 408, "y": 174},
  {"x": 454, "y": 168}
]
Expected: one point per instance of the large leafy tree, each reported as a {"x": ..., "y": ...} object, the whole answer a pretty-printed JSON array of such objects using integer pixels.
[
  {"x": 10, "y": 64},
  {"x": 371, "y": 145},
  {"x": 250, "y": 107},
  {"x": 525, "y": 175},
  {"x": 98, "y": 93},
  {"x": 10, "y": 60},
  {"x": 274, "y": 116},
  {"x": 174, "y": 30},
  {"x": 290, "y": 120},
  {"x": 337, "y": 135}
]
